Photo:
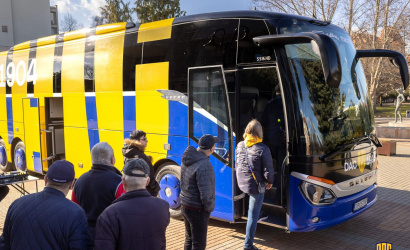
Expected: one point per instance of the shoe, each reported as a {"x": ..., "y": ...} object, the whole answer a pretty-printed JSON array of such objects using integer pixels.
[
  {"x": 262, "y": 216},
  {"x": 252, "y": 248}
]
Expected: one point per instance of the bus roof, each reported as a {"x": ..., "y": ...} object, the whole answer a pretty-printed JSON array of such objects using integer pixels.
[{"x": 108, "y": 28}]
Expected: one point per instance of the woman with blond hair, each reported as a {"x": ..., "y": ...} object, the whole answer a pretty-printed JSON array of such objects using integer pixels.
[{"x": 254, "y": 171}]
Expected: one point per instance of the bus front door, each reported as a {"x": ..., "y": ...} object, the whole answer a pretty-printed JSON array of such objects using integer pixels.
[{"x": 209, "y": 113}]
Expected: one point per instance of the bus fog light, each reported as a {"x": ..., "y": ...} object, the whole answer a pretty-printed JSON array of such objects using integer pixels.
[
  {"x": 315, "y": 220},
  {"x": 317, "y": 195}
]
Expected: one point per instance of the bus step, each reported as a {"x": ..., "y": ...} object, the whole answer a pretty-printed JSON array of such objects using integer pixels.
[
  {"x": 273, "y": 221},
  {"x": 239, "y": 197}
]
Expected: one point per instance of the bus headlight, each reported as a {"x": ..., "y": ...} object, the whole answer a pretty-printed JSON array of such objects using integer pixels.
[{"x": 317, "y": 195}]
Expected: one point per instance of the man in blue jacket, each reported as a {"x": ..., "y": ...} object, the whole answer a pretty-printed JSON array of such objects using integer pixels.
[
  {"x": 136, "y": 220},
  {"x": 197, "y": 191},
  {"x": 47, "y": 220}
]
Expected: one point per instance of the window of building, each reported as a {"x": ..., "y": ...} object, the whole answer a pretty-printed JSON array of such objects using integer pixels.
[{"x": 4, "y": 29}]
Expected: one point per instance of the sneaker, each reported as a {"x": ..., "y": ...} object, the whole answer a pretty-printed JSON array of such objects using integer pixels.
[
  {"x": 262, "y": 216},
  {"x": 252, "y": 248}
]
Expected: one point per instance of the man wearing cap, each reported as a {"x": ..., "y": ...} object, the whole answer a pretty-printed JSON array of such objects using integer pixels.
[
  {"x": 197, "y": 191},
  {"x": 96, "y": 189},
  {"x": 47, "y": 220},
  {"x": 136, "y": 220}
]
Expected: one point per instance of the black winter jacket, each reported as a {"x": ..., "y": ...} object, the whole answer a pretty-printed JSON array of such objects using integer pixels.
[
  {"x": 46, "y": 220},
  {"x": 95, "y": 190},
  {"x": 262, "y": 166},
  {"x": 134, "y": 221},
  {"x": 131, "y": 150},
  {"x": 197, "y": 180}
]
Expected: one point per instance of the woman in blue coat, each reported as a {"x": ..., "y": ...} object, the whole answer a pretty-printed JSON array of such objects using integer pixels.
[{"x": 254, "y": 167}]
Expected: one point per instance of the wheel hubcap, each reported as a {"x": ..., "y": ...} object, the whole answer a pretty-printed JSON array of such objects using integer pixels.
[
  {"x": 170, "y": 190},
  {"x": 3, "y": 156},
  {"x": 20, "y": 159}
]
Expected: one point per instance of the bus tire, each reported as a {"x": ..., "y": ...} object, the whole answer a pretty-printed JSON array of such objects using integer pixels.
[
  {"x": 169, "y": 176},
  {"x": 19, "y": 160},
  {"x": 5, "y": 165}
]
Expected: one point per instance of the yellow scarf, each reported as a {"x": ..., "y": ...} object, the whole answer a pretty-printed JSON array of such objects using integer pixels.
[{"x": 250, "y": 140}]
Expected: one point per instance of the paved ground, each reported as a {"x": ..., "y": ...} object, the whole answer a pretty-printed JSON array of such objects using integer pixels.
[{"x": 387, "y": 221}]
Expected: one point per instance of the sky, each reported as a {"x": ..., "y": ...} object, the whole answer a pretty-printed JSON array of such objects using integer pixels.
[{"x": 84, "y": 10}]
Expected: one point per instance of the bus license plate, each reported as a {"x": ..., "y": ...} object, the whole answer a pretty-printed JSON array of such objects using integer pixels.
[{"x": 360, "y": 204}]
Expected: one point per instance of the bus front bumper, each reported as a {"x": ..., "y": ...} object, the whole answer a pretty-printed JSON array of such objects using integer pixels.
[{"x": 302, "y": 212}]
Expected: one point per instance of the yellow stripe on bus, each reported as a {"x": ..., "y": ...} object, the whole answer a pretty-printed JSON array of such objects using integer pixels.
[
  {"x": 155, "y": 31},
  {"x": 19, "y": 92},
  {"x": 108, "y": 67},
  {"x": 151, "y": 109},
  {"x": 116, "y": 141},
  {"x": 78, "y": 151},
  {"x": 44, "y": 68},
  {"x": 3, "y": 106},
  {"x": 22, "y": 46},
  {"x": 110, "y": 28}
]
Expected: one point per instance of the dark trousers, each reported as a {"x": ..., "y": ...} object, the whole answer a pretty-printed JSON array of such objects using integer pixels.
[
  {"x": 4, "y": 190},
  {"x": 196, "y": 228}
]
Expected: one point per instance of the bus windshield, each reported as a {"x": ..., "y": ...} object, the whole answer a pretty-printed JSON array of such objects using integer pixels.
[{"x": 330, "y": 116}]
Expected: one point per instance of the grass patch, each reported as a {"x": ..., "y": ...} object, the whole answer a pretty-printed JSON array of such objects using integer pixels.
[{"x": 387, "y": 110}]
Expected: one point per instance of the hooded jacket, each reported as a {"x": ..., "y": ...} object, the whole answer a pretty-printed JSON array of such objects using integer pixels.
[
  {"x": 134, "y": 221},
  {"x": 133, "y": 149},
  {"x": 197, "y": 180},
  {"x": 261, "y": 162}
]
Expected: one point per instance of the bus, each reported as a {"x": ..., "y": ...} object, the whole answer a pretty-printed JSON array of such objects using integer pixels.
[{"x": 181, "y": 78}]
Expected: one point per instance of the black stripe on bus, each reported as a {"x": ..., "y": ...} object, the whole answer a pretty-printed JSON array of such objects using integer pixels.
[
  {"x": 58, "y": 54},
  {"x": 32, "y": 55},
  {"x": 8, "y": 61},
  {"x": 89, "y": 77},
  {"x": 132, "y": 56}
]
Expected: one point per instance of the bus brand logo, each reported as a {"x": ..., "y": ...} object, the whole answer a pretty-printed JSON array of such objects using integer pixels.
[
  {"x": 362, "y": 160},
  {"x": 384, "y": 246}
]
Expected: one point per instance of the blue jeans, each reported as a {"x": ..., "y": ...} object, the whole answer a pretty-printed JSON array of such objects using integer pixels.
[{"x": 255, "y": 205}]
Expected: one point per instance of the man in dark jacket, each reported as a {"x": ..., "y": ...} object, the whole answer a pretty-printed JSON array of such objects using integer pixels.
[
  {"x": 47, "y": 220},
  {"x": 136, "y": 220},
  {"x": 134, "y": 148},
  {"x": 197, "y": 191},
  {"x": 96, "y": 189}
]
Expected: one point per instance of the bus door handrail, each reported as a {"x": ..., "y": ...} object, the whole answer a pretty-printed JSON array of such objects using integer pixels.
[{"x": 53, "y": 146}]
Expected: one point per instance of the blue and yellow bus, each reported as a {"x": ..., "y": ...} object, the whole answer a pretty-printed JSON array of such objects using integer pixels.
[{"x": 180, "y": 78}]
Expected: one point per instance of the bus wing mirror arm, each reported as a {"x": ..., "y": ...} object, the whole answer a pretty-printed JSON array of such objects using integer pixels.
[
  {"x": 397, "y": 58},
  {"x": 322, "y": 45}
]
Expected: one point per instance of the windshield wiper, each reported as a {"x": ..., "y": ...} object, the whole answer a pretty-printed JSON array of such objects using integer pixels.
[{"x": 371, "y": 137}]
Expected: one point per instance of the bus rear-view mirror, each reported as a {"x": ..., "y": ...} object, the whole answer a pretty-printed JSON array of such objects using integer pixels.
[
  {"x": 397, "y": 58},
  {"x": 322, "y": 45}
]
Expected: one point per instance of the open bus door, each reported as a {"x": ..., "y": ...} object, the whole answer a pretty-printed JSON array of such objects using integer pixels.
[{"x": 209, "y": 113}]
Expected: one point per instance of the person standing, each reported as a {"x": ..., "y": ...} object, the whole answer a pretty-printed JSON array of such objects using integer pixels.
[
  {"x": 197, "y": 191},
  {"x": 96, "y": 189},
  {"x": 134, "y": 148},
  {"x": 136, "y": 220},
  {"x": 48, "y": 220},
  {"x": 254, "y": 168}
]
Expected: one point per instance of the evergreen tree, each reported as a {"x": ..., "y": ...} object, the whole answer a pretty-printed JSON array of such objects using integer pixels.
[
  {"x": 115, "y": 11},
  {"x": 155, "y": 10}
]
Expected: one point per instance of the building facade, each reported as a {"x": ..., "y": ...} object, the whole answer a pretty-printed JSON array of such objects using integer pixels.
[{"x": 24, "y": 20}]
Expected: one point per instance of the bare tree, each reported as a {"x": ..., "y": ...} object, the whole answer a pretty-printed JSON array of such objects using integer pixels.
[
  {"x": 321, "y": 9},
  {"x": 69, "y": 23}
]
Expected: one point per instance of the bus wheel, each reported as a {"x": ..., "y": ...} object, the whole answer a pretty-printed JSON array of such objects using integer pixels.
[
  {"x": 168, "y": 177},
  {"x": 5, "y": 165},
  {"x": 20, "y": 157}
]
